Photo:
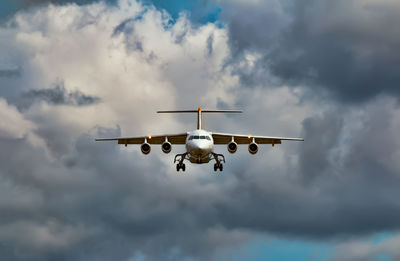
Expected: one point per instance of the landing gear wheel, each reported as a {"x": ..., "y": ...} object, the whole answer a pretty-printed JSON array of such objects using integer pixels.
[
  {"x": 221, "y": 167},
  {"x": 215, "y": 167},
  {"x": 180, "y": 166}
]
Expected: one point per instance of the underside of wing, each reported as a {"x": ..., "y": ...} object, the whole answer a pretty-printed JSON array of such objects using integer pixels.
[
  {"x": 225, "y": 138},
  {"x": 159, "y": 139}
]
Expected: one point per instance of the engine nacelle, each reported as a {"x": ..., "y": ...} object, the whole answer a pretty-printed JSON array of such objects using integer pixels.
[
  {"x": 166, "y": 147},
  {"x": 232, "y": 147},
  {"x": 253, "y": 148},
  {"x": 146, "y": 148}
]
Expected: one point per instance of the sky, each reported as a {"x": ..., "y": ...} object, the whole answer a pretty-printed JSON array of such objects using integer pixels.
[{"x": 73, "y": 71}]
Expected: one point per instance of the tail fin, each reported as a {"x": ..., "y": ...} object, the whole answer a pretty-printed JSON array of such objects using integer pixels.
[{"x": 199, "y": 112}]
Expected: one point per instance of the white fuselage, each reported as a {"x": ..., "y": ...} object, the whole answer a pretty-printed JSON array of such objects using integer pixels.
[{"x": 199, "y": 145}]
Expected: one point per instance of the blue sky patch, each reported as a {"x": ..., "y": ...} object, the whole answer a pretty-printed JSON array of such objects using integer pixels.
[
  {"x": 281, "y": 249},
  {"x": 198, "y": 11}
]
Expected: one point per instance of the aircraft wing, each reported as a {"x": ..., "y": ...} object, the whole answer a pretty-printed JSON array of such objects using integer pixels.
[
  {"x": 159, "y": 139},
  {"x": 225, "y": 138}
]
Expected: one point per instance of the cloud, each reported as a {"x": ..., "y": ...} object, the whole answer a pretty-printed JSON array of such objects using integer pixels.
[
  {"x": 99, "y": 201},
  {"x": 347, "y": 48},
  {"x": 78, "y": 44},
  {"x": 353, "y": 250},
  {"x": 58, "y": 96},
  {"x": 15, "y": 126},
  {"x": 11, "y": 72},
  {"x": 351, "y": 56},
  {"x": 319, "y": 148}
]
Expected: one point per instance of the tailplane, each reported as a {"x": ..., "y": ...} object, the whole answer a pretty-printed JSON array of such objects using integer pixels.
[{"x": 199, "y": 112}]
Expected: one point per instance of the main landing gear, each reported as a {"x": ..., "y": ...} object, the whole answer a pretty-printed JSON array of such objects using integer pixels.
[
  {"x": 219, "y": 158},
  {"x": 218, "y": 166},
  {"x": 180, "y": 165}
]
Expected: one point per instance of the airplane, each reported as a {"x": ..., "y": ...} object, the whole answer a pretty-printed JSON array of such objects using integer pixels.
[{"x": 199, "y": 143}]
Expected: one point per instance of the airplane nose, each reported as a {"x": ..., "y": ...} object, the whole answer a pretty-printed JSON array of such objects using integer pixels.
[
  {"x": 200, "y": 149},
  {"x": 196, "y": 147}
]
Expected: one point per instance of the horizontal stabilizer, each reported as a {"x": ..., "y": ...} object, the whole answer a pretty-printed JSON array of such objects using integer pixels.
[
  {"x": 199, "y": 112},
  {"x": 203, "y": 111}
]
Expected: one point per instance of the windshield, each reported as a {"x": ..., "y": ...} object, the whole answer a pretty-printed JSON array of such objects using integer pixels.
[{"x": 196, "y": 137}]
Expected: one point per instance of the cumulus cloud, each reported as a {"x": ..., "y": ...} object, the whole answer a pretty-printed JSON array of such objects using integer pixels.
[
  {"x": 99, "y": 201},
  {"x": 14, "y": 125},
  {"x": 347, "y": 48},
  {"x": 80, "y": 44}
]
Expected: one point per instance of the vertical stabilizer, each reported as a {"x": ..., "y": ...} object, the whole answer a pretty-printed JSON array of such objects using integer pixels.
[{"x": 199, "y": 119}]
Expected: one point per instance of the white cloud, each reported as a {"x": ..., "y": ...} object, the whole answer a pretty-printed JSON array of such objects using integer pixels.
[
  {"x": 173, "y": 67},
  {"x": 14, "y": 125}
]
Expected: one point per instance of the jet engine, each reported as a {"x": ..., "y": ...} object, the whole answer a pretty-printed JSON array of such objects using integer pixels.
[
  {"x": 145, "y": 147},
  {"x": 232, "y": 147},
  {"x": 253, "y": 148},
  {"x": 166, "y": 147}
]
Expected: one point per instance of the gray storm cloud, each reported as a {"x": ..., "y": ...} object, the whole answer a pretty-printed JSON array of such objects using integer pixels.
[
  {"x": 58, "y": 96},
  {"x": 348, "y": 48},
  {"x": 99, "y": 201}
]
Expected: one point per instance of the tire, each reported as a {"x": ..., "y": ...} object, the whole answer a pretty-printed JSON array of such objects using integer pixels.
[
  {"x": 221, "y": 167},
  {"x": 183, "y": 167},
  {"x": 215, "y": 167},
  {"x": 177, "y": 167}
]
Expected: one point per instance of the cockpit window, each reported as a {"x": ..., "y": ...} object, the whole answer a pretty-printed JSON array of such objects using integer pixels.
[{"x": 195, "y": 137}]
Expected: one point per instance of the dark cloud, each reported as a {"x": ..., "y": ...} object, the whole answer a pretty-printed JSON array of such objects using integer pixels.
[
  {"x": 314, "y": 164},
  {"x": 346, "y": 47},
  {"x": 210, "y": 41},
  {"x": 12, "y": 72},
  {"x": 103, "y": 201},
  {"x": 350, "y": 181},
  {"x": 101, "y": 205},
  {"x": 255, "y": 26},
  {"x": 56, "y": 96}
]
